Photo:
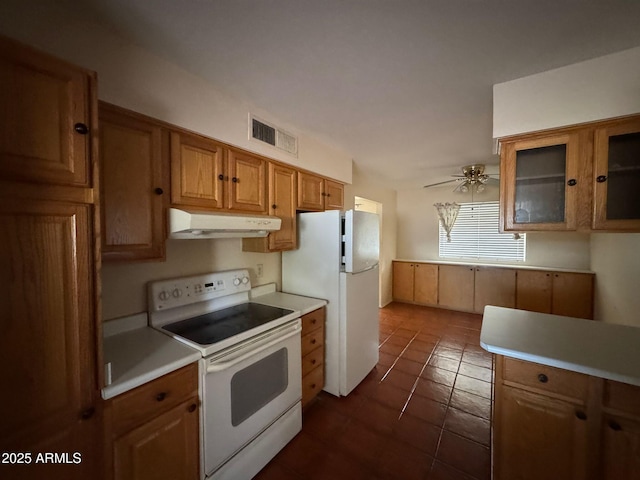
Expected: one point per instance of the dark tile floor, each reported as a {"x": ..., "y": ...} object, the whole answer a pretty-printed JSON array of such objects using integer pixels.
[{"x": 423, "y": 413}]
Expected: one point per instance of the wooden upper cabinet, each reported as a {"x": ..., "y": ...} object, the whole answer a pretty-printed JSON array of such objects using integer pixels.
[
  {"x": 282, "y": 204},
  {"x": 132, "y": 162},
  {"x": 617, "y": 175},
  {"x": 247, "y": 182},
  {"x": 317, "y": 194},
  {"x": 539, "y": 182},
  {"x": 334, "y": 195},
  {"x": 46, "y": 117},
  {"x": 47, "y": 272},
  {"x": 310, "y": 192},
  {"x": 197, "y": 171}
]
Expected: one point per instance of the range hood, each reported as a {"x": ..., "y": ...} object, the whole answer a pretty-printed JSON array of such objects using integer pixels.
[{"x": 194, "y": 225}]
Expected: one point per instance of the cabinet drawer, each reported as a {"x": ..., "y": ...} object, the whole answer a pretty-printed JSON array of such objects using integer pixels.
[
  {"x": 542, "y": 377},
  {"x": 312, "y": 360},
  {"x": 622, "y": 396},
  {"x": 312, "y": 384},
  {"x": 312, "y": 321},
  {"x": 152, "y": 399},
  {"x": 312, "y": 340}
]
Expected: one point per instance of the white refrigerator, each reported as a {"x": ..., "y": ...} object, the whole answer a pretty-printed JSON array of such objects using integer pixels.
[{"x": 337, "y": 260}]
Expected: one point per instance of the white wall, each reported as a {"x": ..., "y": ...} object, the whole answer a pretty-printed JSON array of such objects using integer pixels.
[
  {"x": 418, "y": 231},
  {"x": 604, "y": 87},
  {"x": 601, "y": 88},
  {"x": 372, "y": 190},
  {"x": 133, "y": 78}
]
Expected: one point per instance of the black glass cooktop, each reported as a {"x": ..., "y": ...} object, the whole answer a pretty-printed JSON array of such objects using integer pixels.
[{"x": 214, "y": 327}]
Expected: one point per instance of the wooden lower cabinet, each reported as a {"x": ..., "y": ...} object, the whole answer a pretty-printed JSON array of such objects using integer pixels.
[
  {"x": 415, "y": 283},
  {"x": 456, "y": 287},
  {"x": 153, "y": 430},
  {"x": 552, "y": 424},
  {"x": 572, "y": 295},
  {"x": 494, "y": 286},
  {"x": 312, "y": 350}
]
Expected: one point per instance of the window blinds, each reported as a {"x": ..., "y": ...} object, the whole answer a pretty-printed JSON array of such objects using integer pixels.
[{"x": 475, "y": 235}]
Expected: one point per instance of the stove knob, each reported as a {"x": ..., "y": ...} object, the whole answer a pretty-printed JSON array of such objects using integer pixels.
[
  {"x": 163, "y": 295},
  {"x": 236, "y": 282},
  {"x": 245, "y": 280},
  {"x": 177, "y": 293}
]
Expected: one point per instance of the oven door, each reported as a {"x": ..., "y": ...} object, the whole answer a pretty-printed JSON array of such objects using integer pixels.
[{"x": 246, "y": 388}]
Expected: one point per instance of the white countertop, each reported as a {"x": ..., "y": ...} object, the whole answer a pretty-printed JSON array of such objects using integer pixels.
[
  {"x": 139, "y": 354},
  {"x": 600, "y": 349},
  {"x": 298, "y": 303},
  {"x": 496, "y": 265}
]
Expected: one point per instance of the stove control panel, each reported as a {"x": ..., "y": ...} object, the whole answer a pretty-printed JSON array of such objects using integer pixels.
[{"x": 167, "y": 294}]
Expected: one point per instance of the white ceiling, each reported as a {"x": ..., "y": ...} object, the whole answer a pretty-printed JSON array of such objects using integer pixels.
[{"x": 404, "y": 86}]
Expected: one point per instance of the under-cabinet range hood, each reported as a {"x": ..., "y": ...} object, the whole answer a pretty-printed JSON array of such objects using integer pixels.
[{"x": 194, "y": 225}]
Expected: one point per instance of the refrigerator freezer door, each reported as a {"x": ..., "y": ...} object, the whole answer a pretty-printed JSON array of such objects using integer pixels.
[
  {"x": 359, "y": 331},
  {"x": 362, "y": 241}
]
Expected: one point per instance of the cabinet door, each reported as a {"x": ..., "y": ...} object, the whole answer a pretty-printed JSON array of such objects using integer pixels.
[
  {"x": 197, "y": 175},
  {"x": 456, "y": 287},
  {"x": 334, "y": 195},
  {"x": 45, "y": 117},
  {"x": 572, "y": 295},
  {"x": 621, "y": 448},
  {"x": 310, "y": 192},
  {"x": 165, "y": 448},
  {"x": 494, "y": 286},
  {"x": 132, "y": 186},
  {"x": 282, "y": 194},
  {"x": 536, "y": 437},
  {"x": 538, "y": 183},
  {"x": 50, "y": 400},
  {"x": 425, "y": 288},
  {"x": 617, "y": 175},
  {"x": 403, "y": 281},
  {"x": 247, "y": 182},
  {"x": 533, "y": 291}
]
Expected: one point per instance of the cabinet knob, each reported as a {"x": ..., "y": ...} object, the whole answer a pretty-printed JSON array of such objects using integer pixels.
[
  {"x": 158, "y": 191},
  {"x": 313, "y": 341},
  {"x": 580, "y": 415},
  {"x": 313, "y": 362},
  {"x": 314, "y": 321},
  {"x": 274, "y": 206},
  {"x": 614, "y": 426},
  {"x": 572, "y": 182},
  {"x": 313, "y": 385},
  {"x": 542, "y": 378},
  {"x": 235, "y": 179},
  {"x": 328, "y": 194},
  {"x": 88, "y": 413},
  {"x": 192, "y": 408},
  {"x": 601, "y": 178},
  {"x": 161, "y": 396},
  {"x": 221, "y": 177},
  {"x": 81, "y": 128},
  {"x": 323, "y": 194}
]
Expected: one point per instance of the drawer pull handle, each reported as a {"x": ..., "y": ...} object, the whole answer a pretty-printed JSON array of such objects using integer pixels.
[
  {"x": 572, "y": 182},
  {"x": 313, "y": 362},
  {"x": 614, "y": 426},
  {"x": 313, "y": 385},
  {"x": 542, "y": 378},
  {"x": 313, "y": 321},
  {"x": 580, "y": 415},
  {"x": 192, "y": 408},
  {"x": 81, "y": 128},
  {"x": 601, "y": 178},
  {"x": 161, "y": 396},
  {"x": 88, "y": 413},
  {"x": 313, "y": 341}
]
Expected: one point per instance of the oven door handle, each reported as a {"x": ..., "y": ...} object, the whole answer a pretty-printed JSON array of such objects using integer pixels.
[{"x": 220, "y": 366}]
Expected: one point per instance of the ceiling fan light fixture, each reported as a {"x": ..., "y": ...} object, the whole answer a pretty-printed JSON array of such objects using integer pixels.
[{"x": 464, "y": 188}]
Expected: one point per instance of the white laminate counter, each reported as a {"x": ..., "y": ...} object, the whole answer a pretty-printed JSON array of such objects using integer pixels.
[
  {"x": 268, "y": 296},
  {"x": 600, "y": 349},
  {"x": 518, "y": 266},
  {"x": 138, "y": 354}
]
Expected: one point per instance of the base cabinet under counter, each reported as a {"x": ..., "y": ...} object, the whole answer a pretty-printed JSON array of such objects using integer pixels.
[
  {"x": 551, "y": 423},
  {"x": 152, "y": 431},
  {"x": 312, "y": 354}
]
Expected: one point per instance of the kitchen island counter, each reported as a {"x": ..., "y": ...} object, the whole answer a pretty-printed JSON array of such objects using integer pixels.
[{"x": 604, "y": 350}]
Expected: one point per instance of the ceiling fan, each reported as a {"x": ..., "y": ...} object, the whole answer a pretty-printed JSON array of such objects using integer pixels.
[{"x": 473, "y": 176}]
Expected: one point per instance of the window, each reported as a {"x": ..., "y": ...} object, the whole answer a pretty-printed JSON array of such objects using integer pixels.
[{"x": 475, "y": 235}]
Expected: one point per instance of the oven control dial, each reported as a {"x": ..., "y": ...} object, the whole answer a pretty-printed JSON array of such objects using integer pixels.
[
  {"x": 163, "y": 295},
  {"x": 177, "y": 293},
  {"x": 236, "y": 281},
  {"x": 245, "y": 280}
]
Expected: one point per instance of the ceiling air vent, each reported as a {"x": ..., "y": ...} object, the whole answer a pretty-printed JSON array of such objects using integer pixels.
[{"x": 260, "y": 130}]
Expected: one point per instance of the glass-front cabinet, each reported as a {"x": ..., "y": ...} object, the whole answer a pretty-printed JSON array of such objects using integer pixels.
[
  {"x": 617, "y": 176},
  {"x": 539, "y": 182}
]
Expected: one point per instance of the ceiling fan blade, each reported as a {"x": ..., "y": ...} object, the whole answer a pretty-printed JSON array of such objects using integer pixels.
[
  {"x": 440, "y": 183},
  {"x": 492, "y": 181}
]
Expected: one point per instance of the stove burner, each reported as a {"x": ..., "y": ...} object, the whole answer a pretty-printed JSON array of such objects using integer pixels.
[{"x": 214, "y": 327}]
